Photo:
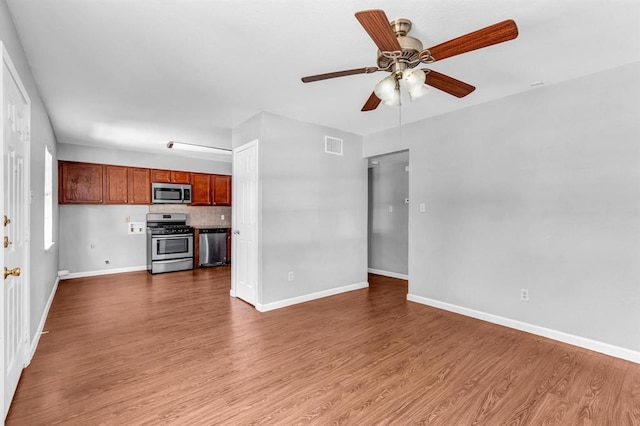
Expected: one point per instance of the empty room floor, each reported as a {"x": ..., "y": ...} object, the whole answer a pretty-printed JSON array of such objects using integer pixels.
[{"x": 175, "y": 348}]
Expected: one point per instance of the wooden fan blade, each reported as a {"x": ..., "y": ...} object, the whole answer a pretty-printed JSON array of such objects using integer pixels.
[
  {"x": 447, "y": 84},
  {"x": 328, "y": 75},
  {"x": 376, "y": 23},
  {"x": 372, "y": 103},
  {"x": 493, "y": 34}
]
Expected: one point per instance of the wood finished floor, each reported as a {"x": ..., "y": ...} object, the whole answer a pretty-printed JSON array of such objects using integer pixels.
[{"x": 136, "y": 349}]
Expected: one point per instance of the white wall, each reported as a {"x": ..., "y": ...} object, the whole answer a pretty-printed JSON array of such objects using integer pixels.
[
  {"x": 92, "y": 235},
  {"x": 389, "y": 214},
  {"x": 169, "y": 161},
  {"x": 44, "y": 264},
  {"x": 313, "y": 208},
  {"x": 538, "y": 191}
]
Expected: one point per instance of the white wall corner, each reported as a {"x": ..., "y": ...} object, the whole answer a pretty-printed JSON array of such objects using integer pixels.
[
  {"x": 308, "y": 297},
  {"x": 388, "y": 274},
  {"x": 43, "y": 320}
]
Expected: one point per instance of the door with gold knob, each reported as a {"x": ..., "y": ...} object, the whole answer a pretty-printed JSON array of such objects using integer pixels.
[{"x": 14, "y": 205}]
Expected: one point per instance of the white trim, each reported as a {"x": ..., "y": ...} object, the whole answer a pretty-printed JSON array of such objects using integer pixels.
[
  {"x": 102, "y": 272},
  {"x": 235, "y": 265},
  {"x": 388, "y": 274},
  {"x": 43, "y": 320},
  {"x": 25, "y": 262},
  {"x": 583, "y": 342},
  {"x": 308, "y": 297}
]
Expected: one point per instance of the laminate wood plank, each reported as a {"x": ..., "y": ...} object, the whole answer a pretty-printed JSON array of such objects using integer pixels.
[{"x": 176, "y": 349}]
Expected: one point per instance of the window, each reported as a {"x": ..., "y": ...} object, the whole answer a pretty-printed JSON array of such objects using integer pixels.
[{"x": 48, "y": 198}]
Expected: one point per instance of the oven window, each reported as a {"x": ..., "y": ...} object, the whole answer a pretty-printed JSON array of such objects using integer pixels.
[{"x": 173, "y": 245}]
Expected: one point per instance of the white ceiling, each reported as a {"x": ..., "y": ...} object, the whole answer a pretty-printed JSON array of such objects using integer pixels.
[{"x": 134, "y": 74}]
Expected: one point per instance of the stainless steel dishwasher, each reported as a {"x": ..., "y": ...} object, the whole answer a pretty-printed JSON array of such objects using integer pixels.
[{"x": 213, "y": 247}]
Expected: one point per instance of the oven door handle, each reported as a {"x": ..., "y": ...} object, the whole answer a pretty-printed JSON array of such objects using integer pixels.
[{"x": 172, "y": 260}]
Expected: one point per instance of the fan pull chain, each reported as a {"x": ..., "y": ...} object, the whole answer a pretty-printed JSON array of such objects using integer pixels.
[{"x": 400, "y": 122}]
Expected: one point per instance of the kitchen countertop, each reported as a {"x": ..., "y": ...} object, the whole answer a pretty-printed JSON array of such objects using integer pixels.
[{"x": 212, "y": 227}]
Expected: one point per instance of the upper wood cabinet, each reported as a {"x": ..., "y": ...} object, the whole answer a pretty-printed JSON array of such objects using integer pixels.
[
  {"x": 116, "y": 185},
  {"x": 139, "y": 186},
  {"x": 170, "y": 176},
  {"x": 200, "y": 189},
  {"x": 80, "y": 183},
  {"x": 89, "y": 183},
  {"x": 221, "y": 186}
]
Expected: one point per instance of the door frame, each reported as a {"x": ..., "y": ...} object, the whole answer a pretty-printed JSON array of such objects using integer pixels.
[
  {"x": 26, "y": 220},
  {"x": 236, "y": 199}
]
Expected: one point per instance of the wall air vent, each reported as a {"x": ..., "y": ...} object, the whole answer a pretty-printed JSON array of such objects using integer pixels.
[{"x": 332, "y": 145}]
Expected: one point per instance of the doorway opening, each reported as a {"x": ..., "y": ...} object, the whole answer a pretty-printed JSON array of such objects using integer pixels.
[{"x": 388, "y": 215}]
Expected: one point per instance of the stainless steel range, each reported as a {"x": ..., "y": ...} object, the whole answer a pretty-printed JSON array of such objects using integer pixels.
[{"x": 169, "y": 243}]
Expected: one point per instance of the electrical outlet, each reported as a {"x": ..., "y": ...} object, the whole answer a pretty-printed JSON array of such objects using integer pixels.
[
  {"x": 390, "y": 209},
  {"x": 127, "y": 219},
  {"x": 221, "y": 217},
  {"x": 136, "y": 228},
  {"x": 290, "y": 276},
  {"x": 423, "y": 207},
  {"x": 524, "y": 294}
]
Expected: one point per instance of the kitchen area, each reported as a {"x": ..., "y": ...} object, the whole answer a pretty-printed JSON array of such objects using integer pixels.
[{"x": 114, "y": 219}]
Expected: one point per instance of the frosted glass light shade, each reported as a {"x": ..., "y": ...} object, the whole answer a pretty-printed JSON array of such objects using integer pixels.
[
  {"x": 414, "y": 83},
  {"x": 388, "y": 91}
]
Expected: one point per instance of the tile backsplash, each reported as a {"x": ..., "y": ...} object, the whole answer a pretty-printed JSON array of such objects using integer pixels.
[{"x": 198, "y": 216}]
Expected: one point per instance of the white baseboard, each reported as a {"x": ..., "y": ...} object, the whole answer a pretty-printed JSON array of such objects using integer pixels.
[
  {"x": 388, "y": 274},
  {"x": 103, "y": 272},
  {"x": 307, "y": 297},
  {"x": 594, "y": 345},
  {"x": 43, "y": 319}
]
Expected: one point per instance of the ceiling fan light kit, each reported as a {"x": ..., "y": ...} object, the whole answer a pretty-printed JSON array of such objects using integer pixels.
[{"x": 399, "y": 54}]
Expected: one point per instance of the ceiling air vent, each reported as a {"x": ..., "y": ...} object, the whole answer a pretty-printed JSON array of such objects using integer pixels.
[{"x": 332, "y": 145}]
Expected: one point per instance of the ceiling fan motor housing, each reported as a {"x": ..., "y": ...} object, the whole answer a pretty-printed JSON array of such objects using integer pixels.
[{"x": 411, "y": 48}]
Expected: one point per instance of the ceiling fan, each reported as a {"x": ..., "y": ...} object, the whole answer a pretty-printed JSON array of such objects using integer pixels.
[{"x": 399, "y": 54}]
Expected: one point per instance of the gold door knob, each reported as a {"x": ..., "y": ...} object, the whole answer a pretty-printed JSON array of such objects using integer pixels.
[
  {"x": 6, "y": 242},
  {"x": 15, "y": 272},
  {"x": 6, "y": 220}
]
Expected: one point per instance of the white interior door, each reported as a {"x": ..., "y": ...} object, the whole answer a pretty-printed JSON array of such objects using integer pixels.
[
  {"x": 15, "y": 206},
  {"x": 244, "y": 279}
]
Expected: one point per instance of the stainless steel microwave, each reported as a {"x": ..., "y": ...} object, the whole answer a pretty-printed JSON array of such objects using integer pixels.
[{"x": 170, "y": 193}]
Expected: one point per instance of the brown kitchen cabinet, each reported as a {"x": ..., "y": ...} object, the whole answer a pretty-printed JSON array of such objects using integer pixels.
[
  {"x": 221, "y": 186},
  {"x": 80, "y": 183},
  {"x": 200, "y": 189},
  {"x": 116, "y": 185},
  {"x": 170, "y": 176},
  {"x": 91, "y": 183},
  {"x": 139, "y": 185},
  {"x": 127, "y": 185}
]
